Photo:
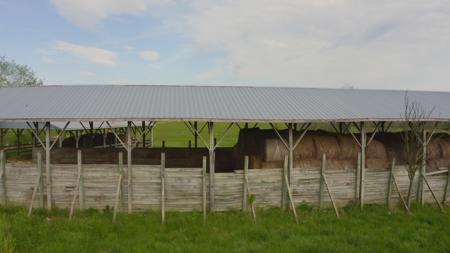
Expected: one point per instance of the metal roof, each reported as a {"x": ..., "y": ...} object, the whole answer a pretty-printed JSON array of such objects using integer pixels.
[
  {"x": 59, "y": 125},
  {"x": 212, "y": 103}
]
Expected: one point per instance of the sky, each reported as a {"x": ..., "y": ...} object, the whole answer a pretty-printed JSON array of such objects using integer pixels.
[{"x": 382, "y": 44}]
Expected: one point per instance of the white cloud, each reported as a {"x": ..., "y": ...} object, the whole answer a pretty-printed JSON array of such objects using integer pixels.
[
  {"x": 88, "y": 13},
  {"x": 87, "y": 73},
  {"x": 92, "y": 54},
  {"x": 387, "y": 44},
  {"x": 149, "y": 55}
]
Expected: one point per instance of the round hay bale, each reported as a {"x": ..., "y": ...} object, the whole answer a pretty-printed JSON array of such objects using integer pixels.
[
  {"x": 274, "y": 150},
  {"x": 272, "y": 165},
  {"x": 305, "y": 149},
  {"x": 445, "y": 147},
  {"x": 376, "y": 150},
  {"x": 307, "y": 163},
  {"x": 326, "y": 145},
  {"x": 434, "y": 148},
  {"x": 340, "y": 164},
  {"x": 348, "y": 147},
  {"x": 376, "y": 163}
]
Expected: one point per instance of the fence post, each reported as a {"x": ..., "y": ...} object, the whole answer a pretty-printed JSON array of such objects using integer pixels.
[
  {"x": 163, "y": 187},
  {"x": 444, "y": 197},
  {"x": 3, "y": 175},
  {"x": 358, "y": 166},
  {"x": 117, "y": 203},
  {"x": 322, "y": 171},
  {"x": 245, "y": 186},
  {"x": 41, "y": 178},
  {"x": 389, "y": 188},
  {"x": 204, "y": 189},
  {"x": 81, "y": 187}
]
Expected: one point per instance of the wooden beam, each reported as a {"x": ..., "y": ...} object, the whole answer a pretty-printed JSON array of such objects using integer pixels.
[
  {"x": 37, "y": 184},
  {"x": 291, "y": 199},
  {"x": 363, "y": 164},
  {"x": 211, "y": 167},
  {"x": 48, "y": 176},
  {"x": 118, "y": 187},
  {"x": 389, "y": 186},
  {"x": 244, "y": 185},
  {"x": 78, "y": 185},
  {"x": 327, "y": 186},
  {"x": 129, "y": 169},
  {"x": 81, "y": 181},
  {"x": 163, "y": 188},
  {"x": 432, "y": 193},
  {"x": 445, "y": 193},
  {"x": 3, "y": 175},
  {"x": 204, "y": 164}
]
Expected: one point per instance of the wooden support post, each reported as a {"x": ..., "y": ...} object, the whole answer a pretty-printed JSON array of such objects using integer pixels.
[
  {"x": 389, "y": 186},
  {"x": 432, "y": 193},
  {"x": 399, "y": 193},
  {"x": 244, "y": 185},
  {"x": 288, "y": 188},
  {"x": 119, "y": 187},
  {"x": 290, "y": 154},
  {"x": 248, "y": 195},
  {"x": 81, "y": 183},
  {"x": 41, "y": 176},
  {"x": 143, "y": 134},
  {"x": 163, "y": 187},
  {"x": 211, "y": 167},
  {"x": 60, "y": 140},
  {"x": 422, "y": 170},
  {"x": 195, "y": 134},
  {"x": 363, "y": 164},
  {"x": 358, "y": 170},
  {"x": 327, "y": 186},
  {"x": 38, "y": 183},
  {"x": 204, "y": 164},
  {"x": 48, "y": 175},
  {"x": 3, "y": 175},
  {"x": 2, "y": 138},
  {"x": 78, "y": 186},
  {"x": 322, "y": 170},
  {"x": 445, "y": 193},
  {"x": 129, "y": 169}
]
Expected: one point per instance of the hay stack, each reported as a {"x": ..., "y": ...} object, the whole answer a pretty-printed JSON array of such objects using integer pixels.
[
  {"x": 348, "y": 147},
  {"x": 326, "y": 145},
  {"x": 376, "y": 150},
  {"x": 306, "y": 148},
  {"x": 274, "y": 149},
  {"x": 444, "y": 144}
]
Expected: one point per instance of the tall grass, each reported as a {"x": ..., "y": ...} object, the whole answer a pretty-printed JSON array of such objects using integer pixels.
[{"x": 373, "y": 229}]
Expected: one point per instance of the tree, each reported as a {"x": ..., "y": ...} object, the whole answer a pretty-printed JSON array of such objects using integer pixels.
[
  {"x": 416, "y": 118},
  {"x": 13, "y": 74}
]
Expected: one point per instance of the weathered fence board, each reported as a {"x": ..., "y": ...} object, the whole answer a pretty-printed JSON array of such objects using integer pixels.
[{"x": 184, "y": 190}]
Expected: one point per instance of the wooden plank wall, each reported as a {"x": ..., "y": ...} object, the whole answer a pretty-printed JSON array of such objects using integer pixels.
[{"x": 184, "y": 186}]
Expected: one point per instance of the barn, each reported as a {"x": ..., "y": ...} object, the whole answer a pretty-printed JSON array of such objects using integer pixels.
[{"x": 93, "y": 147}]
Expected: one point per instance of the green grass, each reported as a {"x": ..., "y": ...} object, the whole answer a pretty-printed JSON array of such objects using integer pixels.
[{"x": 374, "y": 229}]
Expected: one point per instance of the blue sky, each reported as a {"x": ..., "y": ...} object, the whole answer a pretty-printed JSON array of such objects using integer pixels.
[{"x": 403, "y": 44}]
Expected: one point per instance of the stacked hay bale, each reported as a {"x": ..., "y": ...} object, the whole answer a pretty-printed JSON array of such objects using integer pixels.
[{"x": 266, "y": 150}]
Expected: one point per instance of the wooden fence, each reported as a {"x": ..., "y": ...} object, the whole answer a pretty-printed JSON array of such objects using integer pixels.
[{"x": 184, "y": 187}]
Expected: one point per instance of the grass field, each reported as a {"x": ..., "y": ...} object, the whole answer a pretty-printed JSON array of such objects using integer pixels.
[{"x": 374, "y": 229}]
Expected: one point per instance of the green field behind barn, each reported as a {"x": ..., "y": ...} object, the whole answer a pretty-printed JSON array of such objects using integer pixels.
[{"x": 373, "y": 229}]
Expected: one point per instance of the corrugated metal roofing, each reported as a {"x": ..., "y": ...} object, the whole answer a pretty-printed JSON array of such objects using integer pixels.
[{"x": 215, "y": 103}]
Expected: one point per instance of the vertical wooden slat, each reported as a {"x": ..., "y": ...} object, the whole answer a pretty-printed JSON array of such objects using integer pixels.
[
  {"x": 163, "y": 188},
  {"x": 322, "y": 170},
  {"x": 363, "y": 164},
  {"x": 48, "y": 175},
  {"x": 291, "y": 154},
  {"x": 81, "y": 183},
  {"x": 358, "y": 166},
  {"x": 129, "y": 169},
  {"x": 3, "y": 175},
  {"x": 389, "y": 186},
  {"x": 211, "y": 167},
  {"x": 204, "y": 188},
  {"x": 288, "y": 188},
  {"x": 422, "y": 170},
  {"x": 37, "y": 184},
  {"x": 445, "y": 193},
  {"x": 41, "y": 178},
  {"x": 117, "y": 203},
  {"x": 245, "y": 186}
]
